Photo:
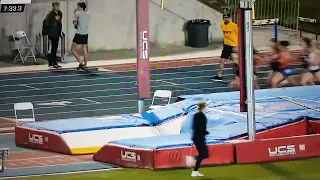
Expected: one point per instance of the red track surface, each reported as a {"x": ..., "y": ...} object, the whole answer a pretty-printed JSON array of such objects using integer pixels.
[{"x": 29, "y": 159}]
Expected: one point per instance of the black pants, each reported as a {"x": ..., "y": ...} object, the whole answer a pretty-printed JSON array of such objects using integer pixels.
[
  {"x": 52, "y": 57},
  {"x": 202, "y": 153}
]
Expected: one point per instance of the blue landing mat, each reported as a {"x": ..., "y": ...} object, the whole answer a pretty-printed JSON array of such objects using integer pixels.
[
  {"x": 161, "y": 142},
  {"x": 226, "y": 122},
  {"x": 150, "y": 118},
  {"x": 86, "y": 124}
]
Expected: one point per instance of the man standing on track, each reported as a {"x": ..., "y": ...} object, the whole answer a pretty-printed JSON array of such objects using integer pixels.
[
  {"x": 52, "y": 26},
  {"x": 230, "y": 38},
  {"x": 81, "y": 22}
]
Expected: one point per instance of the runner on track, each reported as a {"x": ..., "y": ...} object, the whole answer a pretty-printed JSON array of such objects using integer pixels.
[
  {"x": 311, "y": 63},
  {"x": 280, "y": 64}
]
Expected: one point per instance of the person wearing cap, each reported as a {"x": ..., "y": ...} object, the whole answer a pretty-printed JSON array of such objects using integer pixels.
[
  {"x": 52, "y": 27},
  {"x": 199, "y": 137},
  {"x": 230, "y": 41},
  {"x": 81, "y": 22}
]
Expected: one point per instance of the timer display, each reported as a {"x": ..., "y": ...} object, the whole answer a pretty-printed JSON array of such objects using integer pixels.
[{"x": 7, "y": 8}]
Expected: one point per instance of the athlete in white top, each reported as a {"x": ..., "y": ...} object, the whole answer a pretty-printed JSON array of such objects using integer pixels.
[{"x": 311, "y": 63}]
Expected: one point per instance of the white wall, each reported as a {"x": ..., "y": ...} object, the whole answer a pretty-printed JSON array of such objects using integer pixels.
[{"x": 113, "y": 22}]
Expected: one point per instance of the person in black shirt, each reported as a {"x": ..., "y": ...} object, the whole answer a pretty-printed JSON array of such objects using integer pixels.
[
  {"x": 52, "y": 27},
  {"x": 199, "y": 137}
]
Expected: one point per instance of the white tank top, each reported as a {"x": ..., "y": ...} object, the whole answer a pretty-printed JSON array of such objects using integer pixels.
[{"x": 311, "y": 59}]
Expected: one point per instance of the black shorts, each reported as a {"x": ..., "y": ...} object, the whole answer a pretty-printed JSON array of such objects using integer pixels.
[
  {"x": 81, "y": 39},
  {"x": 227, "y": 52},
  {"x": 202, "y": 149}
]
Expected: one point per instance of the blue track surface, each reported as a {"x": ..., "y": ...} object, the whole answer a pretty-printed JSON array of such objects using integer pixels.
[{"x": 103, "y": 93}]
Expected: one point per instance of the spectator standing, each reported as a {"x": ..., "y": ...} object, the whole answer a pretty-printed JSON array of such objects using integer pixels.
[{"x": 52, "y": 27}]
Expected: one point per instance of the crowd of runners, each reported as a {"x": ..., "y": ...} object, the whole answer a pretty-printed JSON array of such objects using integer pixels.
[{"x": 279, "y": 60}]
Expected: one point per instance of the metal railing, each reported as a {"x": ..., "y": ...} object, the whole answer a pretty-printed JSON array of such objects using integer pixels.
[{"x": 287, "y": 11}]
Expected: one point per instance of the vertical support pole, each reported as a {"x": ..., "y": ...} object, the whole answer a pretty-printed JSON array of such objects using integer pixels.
[
  {"x": 298, "y": 15},
  {"x": 275, "y": 26},
  {"x": 143, "y": 52},
  {"x": 241, "y": 55},
  {"x": 162, "y": 4},
  {"x": 249, "y": 68},
  {"x": 300, "y": 29},
  {"x": 253, "y": 13}
]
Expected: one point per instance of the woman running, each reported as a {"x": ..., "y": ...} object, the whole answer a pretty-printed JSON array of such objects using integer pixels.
[
  {"x": 235, "y": 84},
  {"x": 274, "y": 64},
  {"x": 311, "y": 63},
  {"x": 282, "y": 70}
]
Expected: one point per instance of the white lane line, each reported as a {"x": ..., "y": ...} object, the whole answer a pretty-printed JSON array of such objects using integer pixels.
[
  {"x": 102, "y": 90},
  {"x": 120, "y": 77},
  {"x": 43, "y": 164},
  {"x": 6, "y": 134},
  {"x": 75, "y": 74},
  {"x": 167, "y": 82},
  {"x": 181, "y": 86},
  {"x": 133, "y": 77},
  {"x": 111, "y": 72},
  {"x": 27, "y": 86},
  {"x": 104, "y": 70},
  {"x": 95, "y": 102}
]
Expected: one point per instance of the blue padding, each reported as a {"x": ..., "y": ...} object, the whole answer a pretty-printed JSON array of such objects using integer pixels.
[
  {"x": 304, "y": 91},
  {"x": 86, "y": 124},
  {"x": 226, "y": 122},
  {"x": 214, "y": 119},
  {"x": 160, "y": 142},
  {"x": 163, "y": 114}
]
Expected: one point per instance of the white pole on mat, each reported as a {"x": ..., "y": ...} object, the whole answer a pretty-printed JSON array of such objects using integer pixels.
[{"x": 247, "y": 6}]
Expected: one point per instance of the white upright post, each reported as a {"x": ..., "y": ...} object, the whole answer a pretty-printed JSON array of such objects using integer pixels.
[{"x": 247, "y": 5}]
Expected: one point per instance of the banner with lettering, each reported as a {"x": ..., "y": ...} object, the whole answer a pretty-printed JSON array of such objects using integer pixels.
[{"x": 143, "y": 48}]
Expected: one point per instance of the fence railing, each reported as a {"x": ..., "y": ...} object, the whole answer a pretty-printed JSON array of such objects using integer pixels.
[{"x": 287, "y": 11}]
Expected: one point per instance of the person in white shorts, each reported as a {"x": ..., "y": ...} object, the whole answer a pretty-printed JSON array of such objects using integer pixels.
[{"x": 311, "y": 63}]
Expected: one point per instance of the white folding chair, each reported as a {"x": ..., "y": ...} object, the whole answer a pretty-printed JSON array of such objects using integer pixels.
[
  {"x": 20, "y": 43},
  {"x": 24, "y": 107},
  {"x": 161, "y": 94}
]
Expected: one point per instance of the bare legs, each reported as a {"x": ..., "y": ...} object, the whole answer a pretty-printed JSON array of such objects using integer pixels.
[{"x": 84, "y": 48}]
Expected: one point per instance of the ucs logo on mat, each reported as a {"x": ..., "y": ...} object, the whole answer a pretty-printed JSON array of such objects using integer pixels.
[
  {"x": 37, "y": 139},
  {"x": 285, "y": 150},
  {"x": 130, "y": 156}
]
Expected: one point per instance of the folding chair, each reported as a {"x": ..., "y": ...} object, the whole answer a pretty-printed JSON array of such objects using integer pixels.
[
  {"x": 22, "y": 46},
  {"x": 161, "y": 94},
  {"x": 24, "y": 107}
]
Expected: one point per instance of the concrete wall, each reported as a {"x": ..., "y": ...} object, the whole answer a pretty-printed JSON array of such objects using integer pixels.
[{"x": 113, "y": 22}]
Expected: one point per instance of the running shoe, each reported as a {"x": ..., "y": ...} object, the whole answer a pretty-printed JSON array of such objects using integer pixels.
[
  {"x": 57, "y": 66},
  {"x": 80, "y": 66},
  {"x": 196, "y": 174}
]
